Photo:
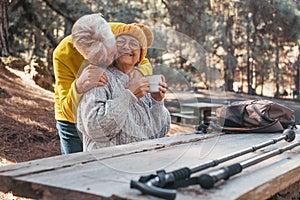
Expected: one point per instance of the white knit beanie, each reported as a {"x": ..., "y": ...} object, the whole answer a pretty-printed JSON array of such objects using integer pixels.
[{"x": 92, "y": 37}]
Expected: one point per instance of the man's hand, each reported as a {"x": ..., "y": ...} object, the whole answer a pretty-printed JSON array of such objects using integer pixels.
[
  {"x": 91, "y": 76},
  {"x": 159, "y": 96}
]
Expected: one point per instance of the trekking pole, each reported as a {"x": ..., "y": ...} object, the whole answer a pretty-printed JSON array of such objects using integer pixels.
[
  {"x": 207, "y": 181},
  {"x": 288, "y": 135},
  {"x": 159, "y": 185}
]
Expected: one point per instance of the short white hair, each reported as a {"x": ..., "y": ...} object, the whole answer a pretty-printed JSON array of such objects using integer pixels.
[{"x": 92, "y": 37}]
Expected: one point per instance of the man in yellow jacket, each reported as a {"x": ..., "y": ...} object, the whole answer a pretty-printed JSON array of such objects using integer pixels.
[{"x": 70, "y": 84}]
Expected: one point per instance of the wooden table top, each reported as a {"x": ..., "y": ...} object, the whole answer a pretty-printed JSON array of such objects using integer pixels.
[
  {"x": 202, "y": 105},
  {"x": 107, "y": 172}
]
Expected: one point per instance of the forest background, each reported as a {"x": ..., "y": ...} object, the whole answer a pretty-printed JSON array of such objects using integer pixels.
[{"x": 246, "y": 46}]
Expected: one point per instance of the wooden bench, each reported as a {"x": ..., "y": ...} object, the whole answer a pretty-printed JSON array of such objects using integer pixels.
[
  {"x": 211, "y": 118},
  {"x": 183, "y": 117},
  {"x": 204, "y": 109}
]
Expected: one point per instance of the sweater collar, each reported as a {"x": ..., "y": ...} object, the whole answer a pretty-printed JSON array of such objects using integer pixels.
[{"x": 118, "y": 74}]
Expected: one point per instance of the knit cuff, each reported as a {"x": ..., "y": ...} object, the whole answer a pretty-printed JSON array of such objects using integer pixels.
[{"x": 131, "y": 96}]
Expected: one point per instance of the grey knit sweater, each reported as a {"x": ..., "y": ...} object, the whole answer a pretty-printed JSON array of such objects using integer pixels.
[{"x": 112, "y": 115}]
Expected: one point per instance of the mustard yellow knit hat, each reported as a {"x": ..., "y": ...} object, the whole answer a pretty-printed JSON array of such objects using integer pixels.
[
  {"x": 148, "y": 33},
  {"x": 141, "y": 32}
]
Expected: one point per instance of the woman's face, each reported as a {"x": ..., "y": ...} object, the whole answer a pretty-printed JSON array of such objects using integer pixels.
[{"x": 129, "y": 52}]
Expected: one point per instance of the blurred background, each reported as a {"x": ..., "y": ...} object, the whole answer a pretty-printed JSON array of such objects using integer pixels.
[{"x": 252, "y": 45}]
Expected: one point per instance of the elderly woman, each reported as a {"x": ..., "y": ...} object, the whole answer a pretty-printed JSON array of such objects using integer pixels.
[{"x": 122, "y": 111}]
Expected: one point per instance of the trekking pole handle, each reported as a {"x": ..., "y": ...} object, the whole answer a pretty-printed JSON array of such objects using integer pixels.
[
  {"x": 156, "y": 186},
  {"x": 208, "y": 181},
  {"x": 150, "y": 189}
]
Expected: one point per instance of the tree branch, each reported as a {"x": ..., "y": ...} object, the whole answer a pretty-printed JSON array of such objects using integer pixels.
[
  {"x": 165, "y": 3},
  {"x": 58, "y": 11}
]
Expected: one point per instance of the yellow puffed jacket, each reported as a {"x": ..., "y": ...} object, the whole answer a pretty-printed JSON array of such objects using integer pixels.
[{"x": 67, "y": 61}]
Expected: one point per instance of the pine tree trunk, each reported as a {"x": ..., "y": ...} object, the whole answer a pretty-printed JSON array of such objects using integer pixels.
[
  {"x": 68, "y": 23},
  {"x": 3, "y": 29},
  {"x": 249, "y": 72}
]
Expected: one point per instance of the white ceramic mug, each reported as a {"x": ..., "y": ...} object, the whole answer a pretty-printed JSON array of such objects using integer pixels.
[{"x": 154, "y": 81}]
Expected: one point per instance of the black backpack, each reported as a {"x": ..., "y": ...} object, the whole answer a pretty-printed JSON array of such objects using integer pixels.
[{"x": 255, "y": 116}]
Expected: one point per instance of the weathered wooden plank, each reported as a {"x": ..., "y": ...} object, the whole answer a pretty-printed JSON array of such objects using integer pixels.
[
  {"x": 71, "y": 159},
  {"x": 260, "y": 181},
  {"x": 111, "y": 176},
  {"x": 7, "y": 173},
  {"x": 281, "y": 175},
  {"x": 25, "y": 189}
]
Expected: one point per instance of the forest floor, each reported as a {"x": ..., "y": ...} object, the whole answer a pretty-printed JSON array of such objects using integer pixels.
[
  {"x": 27, "y": 119},
  {"x": 27, "y": 125}
]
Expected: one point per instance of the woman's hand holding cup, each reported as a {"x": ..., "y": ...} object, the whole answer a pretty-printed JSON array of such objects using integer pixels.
[
  {"x": 138, "y": 86},
  {"x": 157, "y": 86}
]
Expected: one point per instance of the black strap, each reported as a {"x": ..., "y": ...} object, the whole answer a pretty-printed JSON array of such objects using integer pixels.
[{"x": 262, "y": 115}]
